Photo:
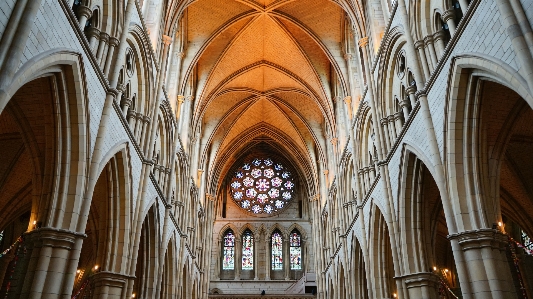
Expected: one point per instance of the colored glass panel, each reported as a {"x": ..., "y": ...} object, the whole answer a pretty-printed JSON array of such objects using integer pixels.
[
  {"x": 228, "y": 259},
  {"x": 262, "y": 186},
  {"x": 295, "y": 251},
  {"x": 526, "y": 240},
  {"x": 248, "y": 251},
  {"x": 277, "y": 251}
]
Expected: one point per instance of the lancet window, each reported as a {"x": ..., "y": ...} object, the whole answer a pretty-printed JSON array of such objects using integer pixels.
[
  {"x": 295, "y": 250},
  {"x": 247, "y": 250},
  {"x": 228, "y": 260},
  {"x": 277, "y": 251},
  {"x": 526, "y": 240}
]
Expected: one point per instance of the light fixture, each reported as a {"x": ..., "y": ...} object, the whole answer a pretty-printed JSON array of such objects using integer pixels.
[
  {"x": 96, "y": 267},
  {"x": 394, "y": 295},
  {"x": 434, "y": 268},
  {"x": 78, "y": 271},
  {"x": 500, "y": 224},
  {"x": 133, "y": 295}
]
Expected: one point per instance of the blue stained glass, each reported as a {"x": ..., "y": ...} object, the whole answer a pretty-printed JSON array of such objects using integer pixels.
[
  {"x": 248, "y": 251},
  {"x": 228, "y": 262},
  {"x": 245, "y": 204},
  {"x": 235, "y": 185},
  {"x": 266, "y": 186},
  {"x": 277, "y": 251}
]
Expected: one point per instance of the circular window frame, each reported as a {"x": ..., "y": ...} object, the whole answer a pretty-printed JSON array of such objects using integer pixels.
[{"x": 276, "y": 160}]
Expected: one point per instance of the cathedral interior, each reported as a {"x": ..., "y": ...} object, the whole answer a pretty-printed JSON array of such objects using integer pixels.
[{"x": 204, "y": 149}]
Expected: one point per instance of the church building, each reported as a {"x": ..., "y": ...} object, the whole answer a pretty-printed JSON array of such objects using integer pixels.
[{"x": 278, "y": 149}]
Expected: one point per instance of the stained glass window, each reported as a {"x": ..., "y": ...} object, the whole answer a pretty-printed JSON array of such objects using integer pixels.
[
  {"x": 526, "y": 240},
  {"x": 262, "y": 186},
  {"x": 228, "y": 262},
  {"x": 248, "y": 251},
  {"x": 277, "y": 251},
  {"x": 295, "y": 251}
]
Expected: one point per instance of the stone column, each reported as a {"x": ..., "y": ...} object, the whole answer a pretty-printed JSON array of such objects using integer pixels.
[
  {"x": 392, "y": 128},
  {"x": 104, "y": 38},
  {"x": 384, "y": 124},
  {"x": 419, "y": 45},
  {"x": 126, "y": 103},
  {"x": 405, "y": 108},
  {"x": 85, "y": 13},
  {"x": 448, "y": 17},
  {"x": 428, "y": 41},
  {"x": 411, "y": 93},
  {"x": 519, "y": 41},
  {"x": 422, "y": 285},
  {"x": 113, "y": 43},
  {"x": 93, "y": 34},
  {"x": 110, "y": 285},
  {"x": 48, "y": 274},
  {"x": 398, "y": 122},
  {"x": 464, "y": 6},
  {"x": 438, "y": 38},
  {"x": 481, "y": 254}
]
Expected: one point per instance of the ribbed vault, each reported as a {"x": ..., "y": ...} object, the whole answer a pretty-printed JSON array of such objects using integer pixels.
[{"x": 264, "y": 69}]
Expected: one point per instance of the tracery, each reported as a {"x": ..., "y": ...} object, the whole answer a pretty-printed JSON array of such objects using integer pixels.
[{"x": 262, "y": 186}]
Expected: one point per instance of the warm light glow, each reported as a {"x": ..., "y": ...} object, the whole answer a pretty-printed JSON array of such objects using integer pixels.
[
  {"x": 500, "y": 224},
  {"x": 394, "y": 295},
  {"x": 96, "y": 267},
  {"x": 78, "y": 271},
  {"x": 34, "y": 222},
  {"x": 434, "y": 268},
  {"x": 133, "y": 295},
  {"x": 446, "y": 270}
]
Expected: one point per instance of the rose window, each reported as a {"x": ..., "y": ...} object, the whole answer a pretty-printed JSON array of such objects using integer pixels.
[{"x": 262, "y": 186}]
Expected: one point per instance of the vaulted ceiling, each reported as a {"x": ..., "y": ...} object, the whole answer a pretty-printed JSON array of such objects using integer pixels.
[{"x": 264, "y": 69}]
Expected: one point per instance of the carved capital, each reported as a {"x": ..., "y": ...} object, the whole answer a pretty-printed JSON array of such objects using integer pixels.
[
  {"x": 447, "y": 15},
  {"x": 419, "y": 44},
  {"x": 439, "y": 35},
  {"x": 113, "y": 41},
  {"x": 104, "y": 37},
  {"x": 167, "y": 40},
  {"x": 181, "y": 99},
  {"x": 93, "y": 32},
  {"x": 363, "y": 42},
  {"x": 411, "y": 89},
  {"x": 84, "y": 11},
  {"x": 428, "y": 39},
  {"x": 481, "y": 238},
  {"x": 348, "y": 56}
]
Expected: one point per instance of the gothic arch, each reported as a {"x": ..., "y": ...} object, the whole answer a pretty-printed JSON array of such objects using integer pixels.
[
  {"x": 461, "y": 113},
  {"x": 69, "y": 143}
]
